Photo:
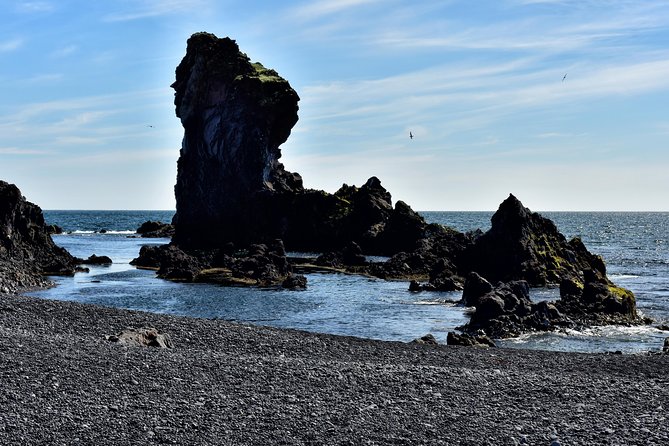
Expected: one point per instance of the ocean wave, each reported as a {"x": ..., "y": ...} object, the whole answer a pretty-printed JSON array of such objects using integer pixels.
[
  {"x": 623, "y": 276},
  {"x": 110, "y": 232}
]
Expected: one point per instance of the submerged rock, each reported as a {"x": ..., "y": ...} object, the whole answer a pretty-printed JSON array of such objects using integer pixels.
[{"x": 27, "y": 252}]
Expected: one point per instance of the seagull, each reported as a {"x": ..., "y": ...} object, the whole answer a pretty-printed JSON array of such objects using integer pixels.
[
  {"x": 410, "y": 135},
  {"x": 564, "y": 77},
  {"x": 149, "y": 125}
]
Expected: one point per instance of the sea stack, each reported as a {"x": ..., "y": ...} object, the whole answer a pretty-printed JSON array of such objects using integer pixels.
[
  {"x": 235, "y": 116},
  {"x": 231, "y": 187}
]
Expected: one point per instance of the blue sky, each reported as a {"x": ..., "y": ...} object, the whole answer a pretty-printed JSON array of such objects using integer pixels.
[{"x": 479, "y": 84}]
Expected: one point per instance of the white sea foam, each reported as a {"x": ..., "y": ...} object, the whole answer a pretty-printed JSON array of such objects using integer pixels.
[{"x": 622, "y": 276}]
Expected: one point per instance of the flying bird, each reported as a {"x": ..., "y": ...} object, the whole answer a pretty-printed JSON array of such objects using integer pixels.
[
  {"x": 149, "y": 125},
  {"x": 410, "y": 135},
  {"x": 564, "y": 77}
]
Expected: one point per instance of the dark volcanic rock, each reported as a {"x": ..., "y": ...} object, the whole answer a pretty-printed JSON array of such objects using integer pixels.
[
  {"x": 142, "y": 337},
  {"x": 94, "y": 260},
  {"x": 235, "y": 115},
  {"x": 596, "y": 300},
  {"x": 295, "y": 282},
  {"x": 506, "y": 310},
  {"x": 428, "y": 339},
  {"x": 230, "y": 184},
  {"x": 523, "y": 245},
  {"x": 467, "y": 340},
  {"x": 26, "y": 249},
  {"x": 155, "y": 229},
  {"x": 257, "y": 264},
  {"x": 54, "y": 229}
]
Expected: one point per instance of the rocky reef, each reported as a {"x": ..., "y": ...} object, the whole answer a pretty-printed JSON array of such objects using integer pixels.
[{"x": 27, "y": 252}]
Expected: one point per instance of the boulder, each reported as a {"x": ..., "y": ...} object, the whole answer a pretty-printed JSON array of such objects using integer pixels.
[
  {"x": 467, "y": 340},
  {"x": 142, "y": 337},
  {"x": 507, "y": 311},
  {"x": 475, "y": 287},
  {"x": 295, "y": 282},
  {"x": 594, "y": 299},
  {"x": 94, "y": 260},
  {"x": 428, "y": 339},
  {"x": 27, "y": 252},
  {"x": 155, "y": 229}
]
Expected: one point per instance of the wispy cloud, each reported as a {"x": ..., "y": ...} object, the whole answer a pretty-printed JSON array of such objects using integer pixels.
[
  {"x": 64, "y": 51},
  {"x": 22, "y": 152},
  {"x": 143, "y": 9},
  {"x": 10, "y": 45},
  {"x": 320, "y": 9},
  {"x": 35, "y": 7}
]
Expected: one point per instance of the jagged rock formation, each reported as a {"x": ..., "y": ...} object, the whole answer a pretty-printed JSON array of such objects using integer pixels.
[
  {"x": 230, "y": 184},
  {"x": 27, "y": 252},
  {"x": 523, "y": 245}
]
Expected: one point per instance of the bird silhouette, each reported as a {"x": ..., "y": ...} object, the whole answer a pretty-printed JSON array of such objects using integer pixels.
[
  {"x": 564, "y": 77},
  {"x": 410, "y": 135}
]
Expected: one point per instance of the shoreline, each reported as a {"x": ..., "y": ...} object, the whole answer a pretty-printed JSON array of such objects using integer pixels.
[{"x": 234, "y": 383}]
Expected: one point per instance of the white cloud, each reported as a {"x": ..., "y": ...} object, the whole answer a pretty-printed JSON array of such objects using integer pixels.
[
  {"x": 318, "y": 9},
  {"x": 154, "y": 8},
  {"x": 10, "y": 45},
  {"x": 35, "y": 7},
  {"x": 22, "y": 152},
  {"x": 64, "y": 51}
]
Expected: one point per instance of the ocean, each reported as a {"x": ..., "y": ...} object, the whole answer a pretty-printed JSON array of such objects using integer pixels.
[{"x": 634, "y": 245}]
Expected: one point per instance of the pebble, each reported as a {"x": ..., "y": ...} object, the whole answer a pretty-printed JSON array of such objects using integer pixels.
[{"x": 239, "y": 390}]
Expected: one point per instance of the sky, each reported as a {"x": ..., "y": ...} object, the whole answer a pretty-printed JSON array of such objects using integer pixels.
[{"x": 87, "y": 117}]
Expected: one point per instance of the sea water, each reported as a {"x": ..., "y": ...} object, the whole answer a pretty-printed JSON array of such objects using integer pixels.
[{"x": 635, "y": 247}]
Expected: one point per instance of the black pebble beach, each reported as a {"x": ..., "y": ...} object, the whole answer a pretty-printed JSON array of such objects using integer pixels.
[{"x": 64, "y": 383}]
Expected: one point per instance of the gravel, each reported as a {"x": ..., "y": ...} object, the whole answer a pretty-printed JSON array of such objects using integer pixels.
[{"x": 225, "y": 383}]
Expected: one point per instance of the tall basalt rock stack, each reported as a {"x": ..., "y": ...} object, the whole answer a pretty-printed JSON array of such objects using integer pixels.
[
  {"x": 27, "y": 251},
  {"x": 235, "y": 116},
  {"x": 231, "y": 186}
]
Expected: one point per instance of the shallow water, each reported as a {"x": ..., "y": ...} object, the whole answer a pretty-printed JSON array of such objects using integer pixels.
[{"x": 634, "y": 245}]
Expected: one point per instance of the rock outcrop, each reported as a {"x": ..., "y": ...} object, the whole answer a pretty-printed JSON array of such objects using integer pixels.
[
  {"x": 506, "y": 309},
  {"x": 523, "y": 245},
  {"x": 155, "y": 229},
  {"x": 595, "y": 300},
  {"x": 27, "y": 252}
]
